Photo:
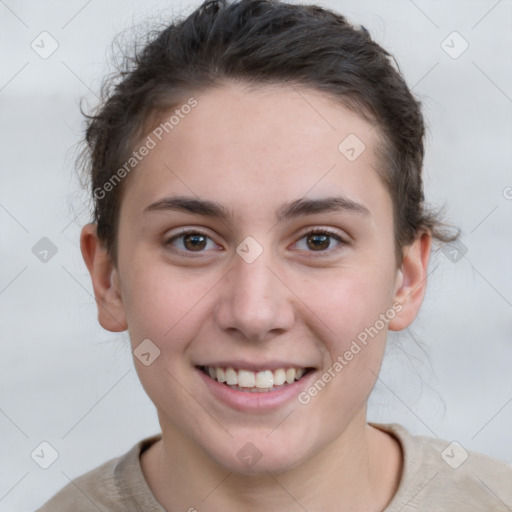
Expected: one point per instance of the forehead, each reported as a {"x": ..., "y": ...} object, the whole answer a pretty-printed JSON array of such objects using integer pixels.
[{"x": 243, "y": 145}]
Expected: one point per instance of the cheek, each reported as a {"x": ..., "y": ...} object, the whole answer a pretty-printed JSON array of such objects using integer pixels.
[
  {"x": 164, "y": 303},
  {"x": 350, "y": 302},
  {"x": 353, "y": 334}
]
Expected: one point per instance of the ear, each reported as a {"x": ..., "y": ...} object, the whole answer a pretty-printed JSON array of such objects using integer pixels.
[
  {"x": 411, "y": 282},
  {"x": 105, "y": 281}
]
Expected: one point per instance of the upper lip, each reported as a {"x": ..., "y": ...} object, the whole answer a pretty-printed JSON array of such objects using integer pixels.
[{"x": 255, "y": 367}]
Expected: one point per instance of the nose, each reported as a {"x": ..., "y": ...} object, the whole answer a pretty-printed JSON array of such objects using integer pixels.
[{"x": 254, "y": 300}]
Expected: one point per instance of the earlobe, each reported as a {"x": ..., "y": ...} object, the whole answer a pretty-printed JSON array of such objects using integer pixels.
[
  {"x": 412, "y": 281},
  {"x": 105, "y": 282}
]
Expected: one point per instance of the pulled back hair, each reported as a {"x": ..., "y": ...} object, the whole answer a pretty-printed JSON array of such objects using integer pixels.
[{"x": 260, "y": 42}]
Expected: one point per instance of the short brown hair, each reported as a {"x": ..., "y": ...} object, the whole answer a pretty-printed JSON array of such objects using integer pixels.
[{"x": 262, "y": 42}]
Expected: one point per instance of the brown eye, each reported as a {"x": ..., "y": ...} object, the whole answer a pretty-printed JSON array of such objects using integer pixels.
[
  {"x": 318, "y": 241},
  {"x": 194, "y": 241},
  {"x": 191, "y": 241}
]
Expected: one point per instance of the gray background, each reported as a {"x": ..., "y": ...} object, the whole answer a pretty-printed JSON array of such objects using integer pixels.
[{"x": 66, "y": 381}]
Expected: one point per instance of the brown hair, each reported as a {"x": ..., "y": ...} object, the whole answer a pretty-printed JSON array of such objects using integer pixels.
[{"x": 261, "y": 42}]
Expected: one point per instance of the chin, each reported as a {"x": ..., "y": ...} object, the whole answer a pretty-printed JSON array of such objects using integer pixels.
[{"x": 259, "y": 457}]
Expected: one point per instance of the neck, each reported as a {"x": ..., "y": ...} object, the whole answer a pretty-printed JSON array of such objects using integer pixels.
[{"x": 359, "y": 471}]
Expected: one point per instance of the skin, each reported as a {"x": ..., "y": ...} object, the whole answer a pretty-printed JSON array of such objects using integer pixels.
[{"x": 253, "y": 150}]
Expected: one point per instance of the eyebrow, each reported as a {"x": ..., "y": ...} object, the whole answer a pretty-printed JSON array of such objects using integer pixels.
[{"x": 287, "y": 211}]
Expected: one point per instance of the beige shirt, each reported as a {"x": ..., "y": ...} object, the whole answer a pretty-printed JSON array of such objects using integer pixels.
[{"x": 436, "y": 478}]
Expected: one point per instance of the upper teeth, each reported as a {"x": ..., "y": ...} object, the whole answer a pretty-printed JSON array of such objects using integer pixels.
[{"x": 246, "y": 379}]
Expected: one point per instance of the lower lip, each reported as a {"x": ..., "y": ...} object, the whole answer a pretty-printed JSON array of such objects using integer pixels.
[{"x": 258, "y": 401}]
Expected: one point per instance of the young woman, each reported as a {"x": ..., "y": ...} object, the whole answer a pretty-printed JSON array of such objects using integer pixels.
[{"x": 259, "y": 226}]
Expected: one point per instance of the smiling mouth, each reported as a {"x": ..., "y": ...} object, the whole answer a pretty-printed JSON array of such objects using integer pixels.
[{"x": 255, "y": 382}]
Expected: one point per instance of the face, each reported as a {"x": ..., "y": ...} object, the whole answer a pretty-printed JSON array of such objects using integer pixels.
[{"x": 250, "y": 244}]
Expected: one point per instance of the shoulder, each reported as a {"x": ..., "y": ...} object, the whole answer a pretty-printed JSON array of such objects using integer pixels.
[
  {"x": 87, "y": 492},
  {"x": 443, "y": 475},
  {"x": 118, "y": 485}
]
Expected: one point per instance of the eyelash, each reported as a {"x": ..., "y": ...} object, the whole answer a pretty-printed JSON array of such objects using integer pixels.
[
  {"x": 331, "y": 234},
  {"x": 181, "y": 234},
  {"x": 315, "y": 254}
]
